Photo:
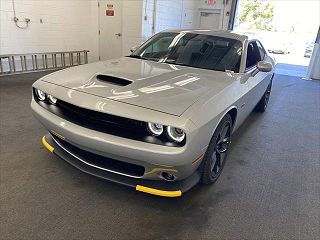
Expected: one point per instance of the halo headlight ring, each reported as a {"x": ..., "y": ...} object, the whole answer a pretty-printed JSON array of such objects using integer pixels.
[
  {"x": 52, "y": 99},
  {"x": 176, "y": 134},
  {"x": 41, "y": 95},
  {"x": 155, "y": 129}
]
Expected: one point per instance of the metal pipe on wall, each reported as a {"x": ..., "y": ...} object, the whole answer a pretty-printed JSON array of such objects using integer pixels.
[{"x": 154, "y": 16}]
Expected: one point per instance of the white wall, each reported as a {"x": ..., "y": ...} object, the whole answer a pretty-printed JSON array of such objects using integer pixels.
[
  {"x": 73, "y": 24},
  {"x": 190, "y": 15},
  {"x": 219, "y": 4},
  {"x": 67, "y": 25},
  {"x": 131, "y": 24},
  {"x": 169, "y": 15},
  {"x": 147, "y": 19},
  {"x": 178, "y": 14}
]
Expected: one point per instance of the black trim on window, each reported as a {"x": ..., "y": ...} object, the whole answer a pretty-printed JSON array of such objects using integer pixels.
[
  {"x": 262, "y": 51},
  {"x": 255, "y": 54}
]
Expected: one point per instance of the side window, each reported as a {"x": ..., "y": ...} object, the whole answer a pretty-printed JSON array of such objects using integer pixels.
[
  {"x": 160, "y": 46},
  {"x": 253, "y": 55},
  {"x": 261, "y": 50}
]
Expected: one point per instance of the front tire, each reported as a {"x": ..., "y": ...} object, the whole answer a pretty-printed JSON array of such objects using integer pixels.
[
  {"x": 216, "y": 154},
  {"x": 263, "y": 103}
]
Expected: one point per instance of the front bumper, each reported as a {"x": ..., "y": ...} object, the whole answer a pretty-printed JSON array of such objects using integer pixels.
[
  {"x": 155, "y": 187},
  {"x": 180, "y": 161}
]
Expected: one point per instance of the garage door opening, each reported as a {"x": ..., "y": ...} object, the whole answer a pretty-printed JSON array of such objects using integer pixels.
[{"x": 288, "y": 30}]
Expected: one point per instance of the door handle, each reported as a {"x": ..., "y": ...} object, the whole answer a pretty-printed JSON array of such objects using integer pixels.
[{"x": 118, "y": 34}]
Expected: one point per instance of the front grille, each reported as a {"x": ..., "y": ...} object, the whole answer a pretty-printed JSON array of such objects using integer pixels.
[
  {"x": 107, "y": 122},
  {"x": 101, "y": 161}
]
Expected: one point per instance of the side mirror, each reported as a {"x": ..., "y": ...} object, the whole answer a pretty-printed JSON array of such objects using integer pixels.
[
  {"x": 264, "y": 66},
  {"x": 133, "y": 48}
]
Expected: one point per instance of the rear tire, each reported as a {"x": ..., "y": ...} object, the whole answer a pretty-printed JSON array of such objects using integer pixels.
[
  {"x": 216, "y": 154},
  {"x": 263, "y": 103}
]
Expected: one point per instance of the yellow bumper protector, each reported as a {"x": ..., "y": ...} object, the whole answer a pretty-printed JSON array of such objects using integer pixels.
[
  {"x": 46, "y": 144},
  {"x": 157, "y": 192},
  {"x": 140, "y": 188}
]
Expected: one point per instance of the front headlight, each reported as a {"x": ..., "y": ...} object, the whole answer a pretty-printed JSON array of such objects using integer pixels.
[
  {"x": 52, "y": 99},
  {"x": 176, "y": 134},
  {"x": 173, "y": 134},
  {"x": 155, "y": 128},
  {"x": 41, "y": 95}
]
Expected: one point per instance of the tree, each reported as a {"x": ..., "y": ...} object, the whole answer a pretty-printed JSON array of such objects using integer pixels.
[{"x": 256, "y": 15}]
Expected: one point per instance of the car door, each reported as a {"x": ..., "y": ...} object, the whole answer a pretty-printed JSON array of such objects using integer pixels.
[{"x": 257, "y": 81}]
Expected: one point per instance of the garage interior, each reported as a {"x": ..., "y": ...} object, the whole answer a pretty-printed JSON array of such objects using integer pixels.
[{"x": 269, "y": 189}]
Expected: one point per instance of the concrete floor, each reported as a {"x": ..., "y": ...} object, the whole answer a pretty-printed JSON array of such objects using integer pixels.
[{"x": 270, "y": 188}]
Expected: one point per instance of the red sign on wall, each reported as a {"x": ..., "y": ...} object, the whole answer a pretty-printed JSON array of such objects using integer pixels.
[
  {"x": 211, "y": 2},
  {"x": 109, "y": 13}
]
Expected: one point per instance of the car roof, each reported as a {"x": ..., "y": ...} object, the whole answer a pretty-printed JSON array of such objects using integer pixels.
[{"x": 241, "y": 36}]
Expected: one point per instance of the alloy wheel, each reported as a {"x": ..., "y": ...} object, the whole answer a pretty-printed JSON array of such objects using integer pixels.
[{"x": 219, "y": 154}]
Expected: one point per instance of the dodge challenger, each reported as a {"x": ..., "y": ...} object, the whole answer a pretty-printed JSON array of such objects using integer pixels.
[{"x": 161, "y": 119}]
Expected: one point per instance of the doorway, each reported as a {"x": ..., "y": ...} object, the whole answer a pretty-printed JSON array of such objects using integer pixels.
[
  {"x": 288, "y": 35},
  {"x": 210, "y": 20},
  {"x": 110, "y": 29}
]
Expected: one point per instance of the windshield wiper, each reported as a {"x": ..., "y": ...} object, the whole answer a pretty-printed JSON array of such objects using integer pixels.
[
  {"x": 187, "y": 65},
  {"x": 136, "y": 56},
  {"x": 179, "y": 64},
  {"x": 140, "y": 57},
  {"x": 143, "y": 58}
]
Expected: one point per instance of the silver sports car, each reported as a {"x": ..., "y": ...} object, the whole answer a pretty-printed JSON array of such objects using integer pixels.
[{"x": 161, "y": 119}]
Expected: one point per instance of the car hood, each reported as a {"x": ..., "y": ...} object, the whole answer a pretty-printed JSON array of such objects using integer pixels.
[{"x": 158, "y": 86}]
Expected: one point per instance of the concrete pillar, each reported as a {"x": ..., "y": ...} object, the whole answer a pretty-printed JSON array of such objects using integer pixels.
[{"x": 314, "y": 65}]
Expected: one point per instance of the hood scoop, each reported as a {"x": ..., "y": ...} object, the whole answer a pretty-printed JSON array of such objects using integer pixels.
[{"x": 113, "y": 80}]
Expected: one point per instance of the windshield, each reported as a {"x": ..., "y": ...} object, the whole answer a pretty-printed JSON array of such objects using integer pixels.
[{"x": 193, "y": 50}]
